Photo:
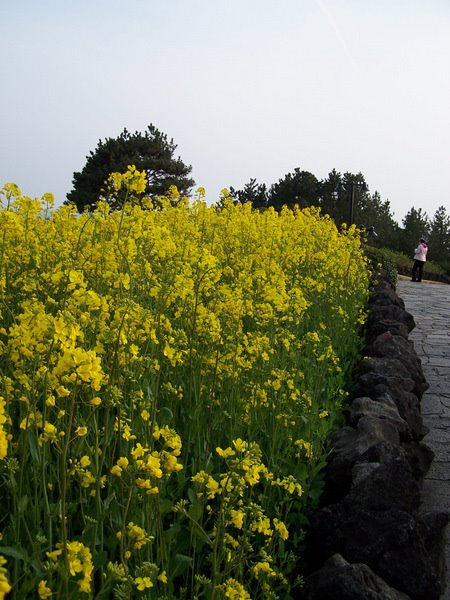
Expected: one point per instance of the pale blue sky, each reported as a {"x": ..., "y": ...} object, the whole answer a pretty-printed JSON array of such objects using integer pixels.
[{"x": 246, "y": 88}]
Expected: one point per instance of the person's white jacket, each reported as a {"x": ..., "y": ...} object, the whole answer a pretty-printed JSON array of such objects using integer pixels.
[{"x": 421, "y": 252}]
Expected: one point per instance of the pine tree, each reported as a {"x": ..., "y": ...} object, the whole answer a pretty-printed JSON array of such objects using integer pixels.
[{"x": 151, "y": 152}]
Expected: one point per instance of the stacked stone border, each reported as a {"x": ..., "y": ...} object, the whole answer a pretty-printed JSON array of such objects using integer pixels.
[{"x": 369, "y": 539}]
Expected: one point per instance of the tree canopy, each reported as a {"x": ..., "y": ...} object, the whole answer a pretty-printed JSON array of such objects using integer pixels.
[
  {"x": 439, "y": 237},
  {"x": 151, "y": 152},
  {"x": 344, "y": 197},
  {"x": 299, "y": 187},
  {"x": 253, "y": 192},
  {"x": 416, "y": 225}
]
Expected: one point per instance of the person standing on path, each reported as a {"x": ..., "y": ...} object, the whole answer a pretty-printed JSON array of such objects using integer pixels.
[{"x": 420, "y": 257}]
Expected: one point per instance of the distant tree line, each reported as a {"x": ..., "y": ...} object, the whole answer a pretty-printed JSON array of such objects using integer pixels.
[
  {"x": 344, "y": 197},
  {"x": 436, "y": 231},
  {"x": 347, "y": 199}
]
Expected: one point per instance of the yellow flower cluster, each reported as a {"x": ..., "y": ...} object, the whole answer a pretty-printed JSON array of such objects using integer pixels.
[
  {"x": 150, "y": 465},
  {"x": 237, "y": 520},
  {"x": 192, "y": 356},
  {"x": 233, "y": 590},
  {"x": 3, "y": 436},
  {"x": 44, "y": 591},
  {"x": 133, "y": 180},
  {"x": 79, "y": 563},
  {"x": 5, "y": 587},
  {"x": 136, "y": 536}
]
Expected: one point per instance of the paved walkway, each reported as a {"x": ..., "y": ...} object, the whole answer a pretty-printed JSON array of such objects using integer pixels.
[{"x": 429, "y": 303}]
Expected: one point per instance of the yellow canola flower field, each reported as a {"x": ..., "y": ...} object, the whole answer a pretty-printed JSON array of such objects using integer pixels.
[{"x": 168, "y": 379}]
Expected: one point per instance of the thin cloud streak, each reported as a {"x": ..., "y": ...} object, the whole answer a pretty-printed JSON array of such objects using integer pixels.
[{"x": 334, "y": 26}]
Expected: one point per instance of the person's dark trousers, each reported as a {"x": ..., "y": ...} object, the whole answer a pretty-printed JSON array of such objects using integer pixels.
[{"x": 417, "y": 270}]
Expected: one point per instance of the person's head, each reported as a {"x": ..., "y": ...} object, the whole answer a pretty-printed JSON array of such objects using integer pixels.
[{"x": 423, "y": 241}]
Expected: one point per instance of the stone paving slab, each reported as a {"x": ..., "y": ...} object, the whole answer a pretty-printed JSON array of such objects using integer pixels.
[
  {"x": 429, "y": 303},
  {"x": 431, "y": 499},
  {"x": 433, "y": 406}
]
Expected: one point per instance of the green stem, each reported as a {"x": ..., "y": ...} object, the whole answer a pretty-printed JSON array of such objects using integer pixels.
[{"x": 63, "y": 479}]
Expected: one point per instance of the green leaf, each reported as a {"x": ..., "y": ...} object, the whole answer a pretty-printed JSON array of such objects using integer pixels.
[
  {"x": 108, "y": 500},
  {"x": 91, "y": 535},
  {"x": 100, "y": 559},
  {"x": 192, "y": 496},
  {"x": 165, "y": 505},
  {"x": 196, "y": 511},
  {"x": 34, "y": 451},
  {"x": 14, "y": 553},
  {"x": 179, "y": 564},
  {"x": 165, "y": 416},
  {"x": 22, "y": 504}
]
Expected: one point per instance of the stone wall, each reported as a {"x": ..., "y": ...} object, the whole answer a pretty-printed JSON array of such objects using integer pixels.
[{"x": 369, "y": 540}]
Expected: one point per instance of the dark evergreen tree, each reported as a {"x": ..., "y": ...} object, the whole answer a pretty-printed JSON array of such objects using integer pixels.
[
  {"x": 299, "y": 187},
  {"x": 356, "y": 192},
  {"x": 439, "y": 237},
  {"x": 151, "y": 152},
  {"x": 372, "y": 212},
  {"x": 416, "y": 225},
  {"x": 253, "y": 192},
  {"x": 345, "y": 198},
  {"x": 334, "y": 197}
]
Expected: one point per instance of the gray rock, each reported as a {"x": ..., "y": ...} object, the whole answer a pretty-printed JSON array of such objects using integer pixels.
[
  {"x": 420, "y": 456},
  {"x": 397, "y": 347},
  {"x": 391, "y": 312},
  {"x": 408, "y": 406},
  {"x": 373, "y": 371},
  {"x": 383, "y": 325},
  {"x": 382, "y": 408},
  {"x": 433, "y": 532},
  {"x": 382, "y": 486},
  {"x": 350, "y": 445},
  {"x": 363, "y": 470},
  {"x": 391, "y": 370},
  {"x": 341, "y": 580},
  {"x": 399, "y": 547},
  {"x": 386, "y": 297}
]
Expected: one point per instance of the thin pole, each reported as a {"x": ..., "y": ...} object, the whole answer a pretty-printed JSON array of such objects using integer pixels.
[{"x": 352, "y": 201}]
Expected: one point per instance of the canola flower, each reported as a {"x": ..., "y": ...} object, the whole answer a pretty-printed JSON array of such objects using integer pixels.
[
  {"x": 3, "y": 437},
  {"x": 170, "y": 372},
  {"x": 44, "y": 591},
  {"x": 79, "y": 560},
  {"x": 5, "y": 587},
  {"x": 234, "y": 590}
]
